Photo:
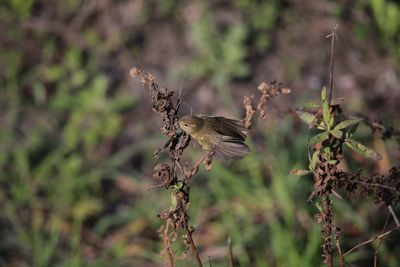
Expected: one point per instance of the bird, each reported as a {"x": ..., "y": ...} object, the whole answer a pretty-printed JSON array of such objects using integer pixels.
[{"x": 224, "y": 137}]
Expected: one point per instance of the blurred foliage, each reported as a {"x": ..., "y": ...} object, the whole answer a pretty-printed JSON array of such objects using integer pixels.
[
  {"x": 220, "y": 54},
  {"x": 221, "y": 48},
  {"x": 387, "y": 17},
  {"x": 73, "y": 143},
  {"x": 60, "y": 121}
]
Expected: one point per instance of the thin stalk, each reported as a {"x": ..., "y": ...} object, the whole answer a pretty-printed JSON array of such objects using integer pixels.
[{"x": 333, "y": 36}]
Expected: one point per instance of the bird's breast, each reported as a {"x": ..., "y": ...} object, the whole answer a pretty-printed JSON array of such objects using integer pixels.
[{"x": 203, "y": 140}]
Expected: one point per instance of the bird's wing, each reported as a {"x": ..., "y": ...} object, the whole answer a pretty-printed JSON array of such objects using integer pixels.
[
  {"x": 232, "y": 149},
  {"x": 227, "y": 127}
]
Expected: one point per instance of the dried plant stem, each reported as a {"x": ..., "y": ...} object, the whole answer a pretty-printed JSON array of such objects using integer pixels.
[
  {"x": 337, "y": 237},
  {"x": 162, "y": 104},
  {"x": 167, "y": 243},
  {"x": 340, "y": 253},
  {"x": 205, "y": 158},
  {"x": 231, "y": 259},
  {"x": 371, "y": 240},
  {"x": 333, "y": 36},
  {"x": 327, "y": 230},
  {"x": 267, "y": 92},
  {"x": 177, "y": 216},
  {"x": 375, "y": 184},
  {"x": 380, "y": 242},
  {"x": 394, "y": 216},
  {"x": 191, "y": 242}
]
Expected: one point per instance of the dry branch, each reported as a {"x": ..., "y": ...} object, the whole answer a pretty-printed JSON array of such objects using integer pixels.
[{"x": 177, "y": 216}]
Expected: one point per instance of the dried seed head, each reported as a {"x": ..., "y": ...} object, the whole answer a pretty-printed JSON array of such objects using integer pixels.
[{"x": 166, "y": 173}]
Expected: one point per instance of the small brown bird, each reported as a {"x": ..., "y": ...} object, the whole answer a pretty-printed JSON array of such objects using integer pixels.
[{"x": 223, "y": 136}]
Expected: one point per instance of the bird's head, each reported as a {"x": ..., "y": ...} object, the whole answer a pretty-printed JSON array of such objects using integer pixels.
[{"x": 191, "y": 124}]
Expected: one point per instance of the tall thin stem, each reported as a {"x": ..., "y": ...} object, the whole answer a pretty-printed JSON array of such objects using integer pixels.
[
  {"x": 192, "y": 245},
  {"x": 333, "y": 36},
  {"x": 327, "y": 230},
  {"x": 231, "y": 259}
]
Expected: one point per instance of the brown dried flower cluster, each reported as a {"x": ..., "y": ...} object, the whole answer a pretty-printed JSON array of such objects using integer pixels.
[
  {"x": 267, "y": 91},
  {"x": 176, "y": 216}
]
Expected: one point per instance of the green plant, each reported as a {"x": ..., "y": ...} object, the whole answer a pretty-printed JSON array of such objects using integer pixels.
[
  {"x": 218, "y": 53},
  {"x": 387, "y": 18},
  {"x": 221, "y": 50},
  {"x": 331, "y": 130},
  {"x": 260, "y": 19}
]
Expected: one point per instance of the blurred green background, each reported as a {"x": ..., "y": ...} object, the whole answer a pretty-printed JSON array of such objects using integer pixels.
[{"x": 77, "y": 134}]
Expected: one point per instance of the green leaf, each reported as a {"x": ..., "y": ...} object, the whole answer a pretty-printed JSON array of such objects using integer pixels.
[
  {"x": 326, "y": 114},
  {"x": 318, "y": 138},
  {"x": 305, "y": 116},
  {"x": 300, "y": 172},
  {"x": 332, "y": 161},
  {"x": 173, "y": 200},
  {"x": 336, "y": 133},
  {"x": 178, "y": 186},
  {"x": 331, "y": 121},
  {"x": 327, "y": 151},
  {"x": 347, "y": 123},
  {"x": 310, "y": 105},
  {"x": 314, "y": 160},
  {"x": 363, "y": 150},
  {"x": 321, "y": 126},
  {"x": 323, "y": 94}
]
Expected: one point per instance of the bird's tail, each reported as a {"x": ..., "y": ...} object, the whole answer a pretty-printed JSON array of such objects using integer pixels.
[{"x": 234, "y": 149}]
